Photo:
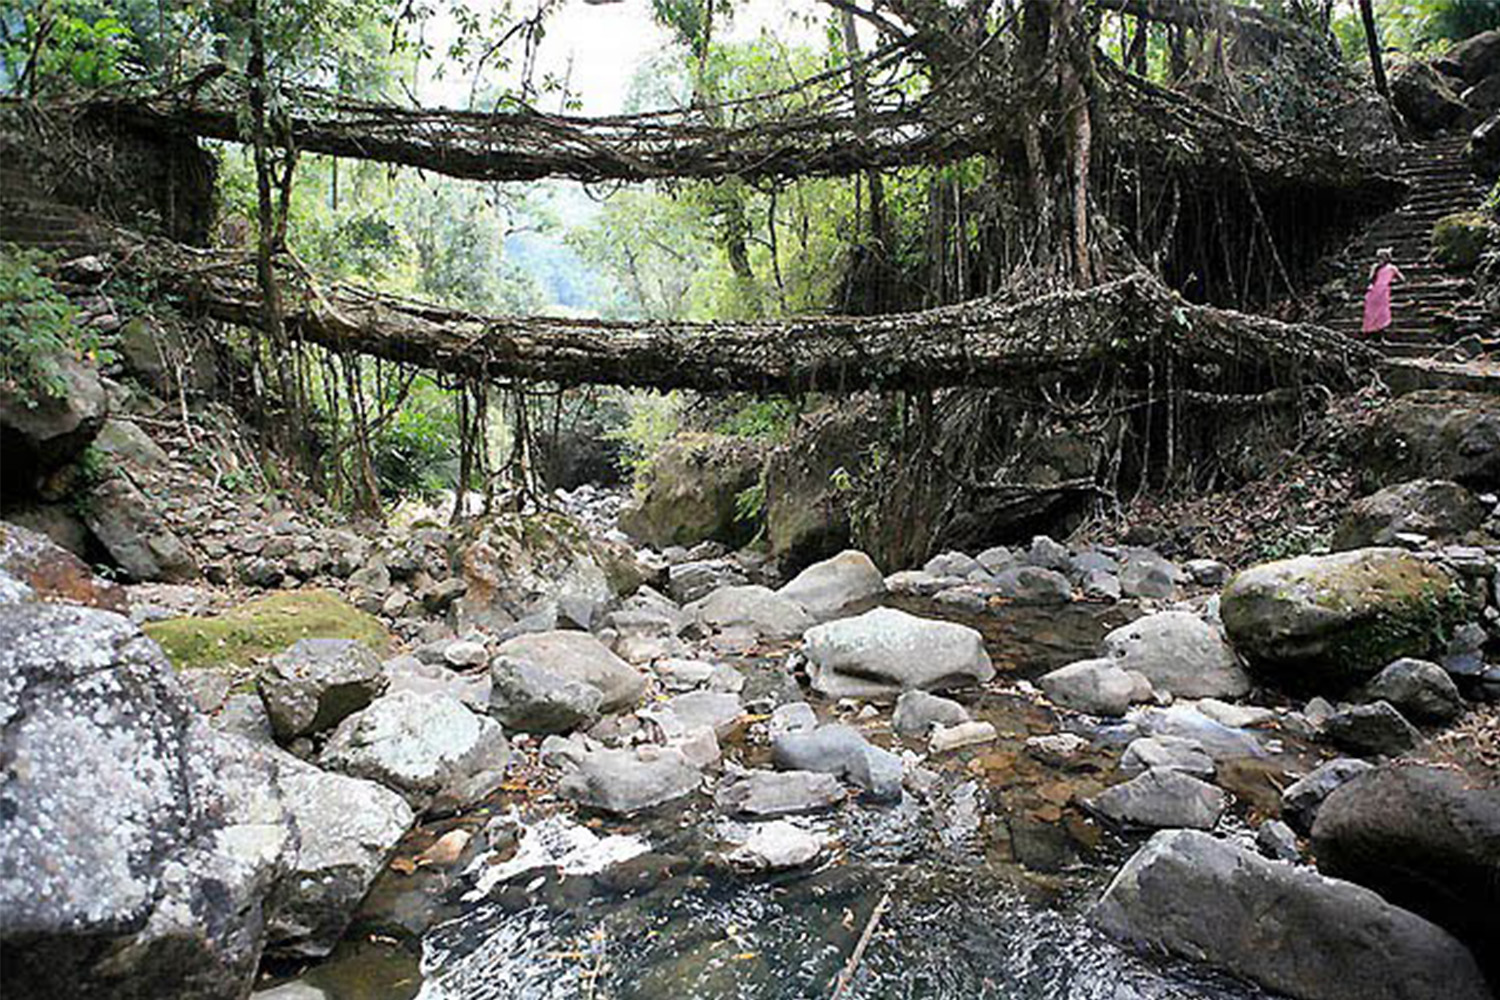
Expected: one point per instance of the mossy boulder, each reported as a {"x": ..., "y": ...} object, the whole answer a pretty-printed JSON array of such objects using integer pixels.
[
  {"x": 1437, "y": 508},
  {"x": 1329, "y": 622},
  {"x": 809, "y": 480},
  {"x": 264, "y": 627},
  {"x": 1459, "y": 239},
  {"x": 691, "y": 492}
]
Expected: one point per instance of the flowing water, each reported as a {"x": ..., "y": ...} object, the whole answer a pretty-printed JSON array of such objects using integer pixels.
[{"x": 963, "y": 919}]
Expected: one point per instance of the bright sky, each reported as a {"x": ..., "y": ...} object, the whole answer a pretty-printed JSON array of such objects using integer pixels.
[{"x": 605, "y": 42}]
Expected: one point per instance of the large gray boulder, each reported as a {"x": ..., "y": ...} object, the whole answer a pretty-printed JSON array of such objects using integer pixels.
[
  {"x": 1425, "y": 838},
  {"x": 430, "y": 748},
  {"x": 45, "y": 431},
  {"x": 348, "y": 830},
  {"x": 317, "y": 683},
  {"x": 884, "y": 652},
  {"x": 1436, "y": 434},
  {"x": 840, "y": 751},
  {"x": 692, "y": 489},
  {"x": 1158, "y": 798},
  {"x": 825, "y": 589},
  {"x": 1424, "y": 97},
  {"x": 772, "y": 794},
  {"x": 1097, "y": 687},
  {"x": 34, "y": 568},
  {"x": 1332, "y": 621},
  {"x": 531, "y": 699},
  {"x": 138, "y": 846},
  {"x": 1419, "y": 689},
  {"x": 581, "y": 658},
  {"x": 1286, "y": 928},
  {"x": 624, "y": 782},
  {"x": 1437, "y": 508},
  {"x": 515, "y": 566},
  {"x": 754, "y": 608},
  {"x": 1180, "y": 654},
  {"x": 128, "y": 524}
]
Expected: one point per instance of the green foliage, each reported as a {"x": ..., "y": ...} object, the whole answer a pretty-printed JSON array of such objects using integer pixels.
[
  {"x": 37, "y": 328},
  {"x": 651, "y": 418},
  {"x": 766, "y": 419},
  {"x": 750, "y": 504},
  {"x": 70, "y": 42},
  {"x": 416, "y": 454},
  {"x": 1460, "y": 238}
]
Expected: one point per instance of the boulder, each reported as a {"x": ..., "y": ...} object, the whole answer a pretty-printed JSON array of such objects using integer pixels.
[
  {"x": 1277, "y": 841},
  {"x": 579, "y": 657},
  {"x": 317, "y": 683},
  {"x": 1435, "y": 433},
  {"x": 754, "y": 608},
  {"x": 1478, "y": 56},
  {"x": 691, "y": 492},
  {"x": 884, "y": 652},
  {"x": 1219, "y": 741},
  {"x": 1484, "y": 142},
  {"x": 1283, "y": 927},
  {"x": 1331, "y": 621},
  {"x": 138, "y": 845},
  {"x": 776, "y": 846},
  {"x": 1033, "y": 585},
  {"x": 840, "y": 751},
  {"x": 1440, "y": 509},
  {"x": 160, "y": 357},
  {"x": 1097, "y": 687},
  {"x": 348, "y": 830},
  {"x": 807, "y": 477},
  {"x": 1425, "y": 838},
  {"x": 1168, "y": 753},
  {"x": 1369, "y": 730},
  {"x": 697, "y": 578},
  {"x": 1460, "y": 239},
  {"x": 825, "y": 589},
  {"x": 625, "y": 782},
  {"x": 124, "y": 442},
  {"x": 138, "y": 538},
  {"x": 34, "y": 568},
  {"x": 1303, "y": 798},
  {"x": 772, "y": 794},
  {"x": 1180, "y": 654},
  {"x": 531, "y": 699},
  {"x": 961, "y": 734},
  {"x": 41, "y": 433},
  {"x": 1158, "y": 798},
  {"x": 1145, "y": 574},
  {"x": 431, "y": 748},
  {"x": 716, "y": 710},
  {"x": 1424, "y": 97},
  {"x": 917, "y": 712},
  {"x": 1418, "y": 689},
  {"x": 517, "y": 565}
]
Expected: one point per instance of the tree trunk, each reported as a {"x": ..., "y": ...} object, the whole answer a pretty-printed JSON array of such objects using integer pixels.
[{"x": 1372, "y": 40}]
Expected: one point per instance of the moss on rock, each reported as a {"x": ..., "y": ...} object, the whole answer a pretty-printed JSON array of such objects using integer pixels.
[
  {"x": 263, "y": 627},
  {"x": 1459, "y": 239}
]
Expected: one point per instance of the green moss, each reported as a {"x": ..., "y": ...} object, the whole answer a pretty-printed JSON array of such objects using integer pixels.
[
  {"x": 1460, "y": 238},
  {"x": 264, "y": 627},
  {"x": 1417, "y": 624}
]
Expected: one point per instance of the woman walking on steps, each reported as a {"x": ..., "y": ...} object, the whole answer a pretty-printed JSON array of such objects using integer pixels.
[{"x": 1378, "y": 297}]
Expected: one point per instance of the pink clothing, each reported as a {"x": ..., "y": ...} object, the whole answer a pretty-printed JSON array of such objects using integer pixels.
[{"x": 1378, "y": 298}]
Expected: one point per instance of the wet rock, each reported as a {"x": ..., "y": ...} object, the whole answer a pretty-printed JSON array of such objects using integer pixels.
[
  {"x": 884, "y": 652},
  {"x": 692, "y": 581},
  {"x": 625, "y": 782},
  {"x": 691, "y": 489},
  {"x": 348, "y": 831},
  {"x": 431, "y": 748},
  {"x": 1097, "y": 687},
  {"x": 844, "y": 753},
  {"x": 1276, "y": 841},
  {"x": 1160, "y": 798},
  {"x": 1425, "y": 838},
  {"x": 1168, "y": 753},
  {"x": 1436, "y": 508},
  {"x": 1302, "y": 799},
  {"x": 530, "y": 699},
  {"x": 579, "y": 657},
  {"x": 1180, "y": 654},
  {"x": 825, "y": 589},
  {"x": 1218, "y": 740},
  {"x": 138, "y": 538},
  {"x": 317, "y": 683},
  {"x": 758, "y": 609},
  {"x": 1418, "y": 689},
  {"x": 917, "y": 712},
  {"x": 1337, "y": 619},
  {"x": 1424, "y": 97},
  {"x": 1033, "y": 585},
  {"x": 515, "y": 565},
  {"x": 776, "y": 846},
  {"x": 963, "y": 734},
  {"x": 770, "y": 794},
  {"x": 1371, "y": 730},
  {"x": 34, "y": 568},
  {"x": 1235, "y": 716},
  {"x": 138, "y": 844},
  {"x": 1188, "y": 894}
]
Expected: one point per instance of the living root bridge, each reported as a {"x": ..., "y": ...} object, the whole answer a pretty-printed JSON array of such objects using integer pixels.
[{"x": 1135, "y": 323}]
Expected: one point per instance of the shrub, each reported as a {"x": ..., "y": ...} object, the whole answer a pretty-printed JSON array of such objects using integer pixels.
[{"x": 38, "y": 326}]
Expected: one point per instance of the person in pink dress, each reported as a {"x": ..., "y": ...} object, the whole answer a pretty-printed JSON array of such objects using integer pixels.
[{"x": 1378, "y": 297}]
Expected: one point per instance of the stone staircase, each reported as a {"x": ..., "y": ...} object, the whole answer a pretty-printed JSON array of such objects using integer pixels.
[
  {"x": 31, "y": 218},
  {"x": 1431, "y": 307}
]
